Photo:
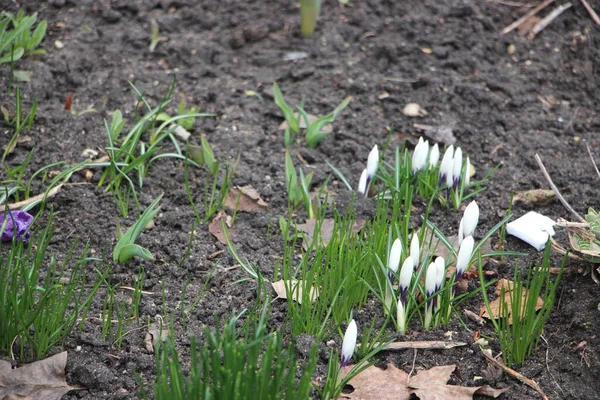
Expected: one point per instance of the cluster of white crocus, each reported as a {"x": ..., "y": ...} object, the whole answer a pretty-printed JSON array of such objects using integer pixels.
[
  {"x": 451, "y": 168},
  {"x": 406, "y": 273},
  {"x": 349, "y": 343},
  {"x": 425, "y": 156},
  {"x": 434, "y": 279},
  {"x": 369, "y": 173}
]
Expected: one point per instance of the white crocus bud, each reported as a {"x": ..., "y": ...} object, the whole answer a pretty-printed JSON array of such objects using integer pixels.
[
  {"x": 372, "y": 163},
  {"x": 430, "y": 289},
  {"x": 468, "y": 172},
  {"x": 362, "y": 182},
  {"x": 419, "y": 158},
  {"x": 464, "y": 256},
  {"x": 446, "y": 167},
  {"x": 394, "y": 259},
  {"x": 470, "y": 219},
  {"x": 440, "y": 265},
  {"x": 434, "y": 155},
  {"x": 456, "y": 167},
  {"x": 460, "y": 234},
  {"x": 349, "y": 343},
  {"x": 415, "y": 250},
  {"x": 406, "y": 273}
]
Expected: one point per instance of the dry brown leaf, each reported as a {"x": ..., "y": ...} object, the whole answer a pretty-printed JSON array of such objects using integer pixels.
[
  {"x": 244, "y": 198},
  {"x": 535, "y": 197},
  {"x": 508, "y": 289},
  {"x": 217, "y": 230},
  {"x": 326, "y": 230},
  {"x": 377, "y": 383},
  {"x": 393, "y": 383},
  {"x": 41, "y": 380},
  {"x": 295, "y": 287}
]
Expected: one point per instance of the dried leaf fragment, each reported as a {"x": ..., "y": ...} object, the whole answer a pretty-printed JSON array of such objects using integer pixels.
[
  {"x": 217, "y": 230},
  {"x": 414, "y": 110},
  {"x": 508, "y": 287},
  {"x": 326, "y": 230},
  {"x": 294, "y": 286},
  {"x": 535, "y": 196},
  {"x": 42, "y": 380},
  {"x": 244, "y": 198},
  {"x": 155, "y": 335}
]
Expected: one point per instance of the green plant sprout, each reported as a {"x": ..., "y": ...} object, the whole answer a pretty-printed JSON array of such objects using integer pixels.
[
  {"x": 19, "y": 122},
  {"x": 186, "y": 123},
  {"x": 519, "y": 324},
  {"x": 154, "y": 38},
  {"x": 309, "y": 14},
  {"x": 20, "y": 40},
  {"x": 126, "y": 249},
  {"x": 314, "y": 127},
  {"x": 298, "y": 186}
]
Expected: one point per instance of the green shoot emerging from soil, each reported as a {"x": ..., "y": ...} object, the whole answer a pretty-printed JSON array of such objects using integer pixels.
[
  {"x": 126, "y": 249},
  {"x": 315, "y": 132},
  {"x": 16, "y": 37}
]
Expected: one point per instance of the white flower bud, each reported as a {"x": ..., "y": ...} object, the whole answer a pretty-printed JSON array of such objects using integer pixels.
[
  {"x": 440, "y": 272},
  {"x": 456, "y": 167},
  {"x": 468, "y": 173},
  {"x": 414, "y": 249},
  {"x": 446, "y": 167},
  {"x": 434, "y": 156},
  {"x": 419, "y": 158},
  {"x": 349, "y": 343},
  {"x": 372, "y": 163},
  {"x": 431, "y": 279},
  {"x": 394, "y": 258},
  {"x": 464, "y": 256},
  {"x": 470, "y": 219},
  {"x": 362, "y": 182}
]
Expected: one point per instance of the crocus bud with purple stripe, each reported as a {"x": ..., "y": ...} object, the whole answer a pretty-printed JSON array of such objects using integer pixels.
[{"x": 349, "y": 343}]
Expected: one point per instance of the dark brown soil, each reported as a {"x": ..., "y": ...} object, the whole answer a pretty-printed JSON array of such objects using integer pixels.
[{"x": 494, "y": 102}]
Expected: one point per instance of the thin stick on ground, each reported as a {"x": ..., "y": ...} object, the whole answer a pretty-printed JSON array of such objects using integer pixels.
[
  {"x": 529, "y": 382},
  {"x": 591, "y": 11},
  {"x": 555, "y": 189},
  {"x": 525, "y": 17},
  {"x": 513, "y": 3},
  {"x": 435, "y": 344},
  {"x": 592, "y": 158},
  {"x": 547, "y": 20}
]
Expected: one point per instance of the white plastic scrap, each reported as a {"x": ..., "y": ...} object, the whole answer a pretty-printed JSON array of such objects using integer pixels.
[{"x": 532, "y": 228}]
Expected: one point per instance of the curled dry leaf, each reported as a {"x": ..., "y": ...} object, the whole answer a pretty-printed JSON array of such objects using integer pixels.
[
  {"x": 295, "y": 287},
  {"x": 508, "y": 286},
  {"x": 327, "y": 228},
  {"x": 156, "y": 333},
  {"x": 393, "y": 383},
  {"x": 244, "y": 198},
  {"x": 217, "y": 230},
  {"x": 535, "y": 197},
  {"x": 41, "y": 380}
]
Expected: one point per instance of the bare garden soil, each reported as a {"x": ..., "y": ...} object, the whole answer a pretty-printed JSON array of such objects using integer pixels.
[{"x": 504, "y": 104}]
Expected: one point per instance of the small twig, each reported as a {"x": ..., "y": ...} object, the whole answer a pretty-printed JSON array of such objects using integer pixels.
[
  {"x": 555, "y": 189},
  {"x": 471, "y": 315},
  {"x": 529, "y": 382},
  {"x": 134, "y": 289},
  {"x": 412, "y": 368},
  {"x": 30, "y": 200},
  {"x": 591, "y": 11},
  {"x": 547, "y": 20},
  {"x": 434, "y": 344},
  {"x": 548, "y": 367},
  {"x": 592, "y": 158},
  {"x": 525, "y": 17},
  {"x": 513, "y": 3}
]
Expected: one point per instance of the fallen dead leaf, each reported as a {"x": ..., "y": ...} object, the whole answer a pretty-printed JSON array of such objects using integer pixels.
[
  {"x": 414, "y": 110},
  {"x": 217, "y": 230},
  {"x": 508, "y": 289},
  {"x": 295, "y": 286},
  {"x": 244, "y": 198},
  {"x": 393, "y": 383},
  {"x": 535, "y": 197},
  {"x": 41, "y": 380},
  {"x": 155, "y": 334},
  {"x": 20, "y": 139},
  {"x": 327, "y": 228}
]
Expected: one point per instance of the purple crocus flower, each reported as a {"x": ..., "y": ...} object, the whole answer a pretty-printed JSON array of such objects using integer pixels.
[{"x": 16, "y": 224}]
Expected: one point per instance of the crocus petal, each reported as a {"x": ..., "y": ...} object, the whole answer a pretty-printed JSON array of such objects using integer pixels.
[
  {"x": 464, "y": 256},
  {"x": 532, "y": 228},
  {"x": 460, "y": 233},
  {"x": 468, "y": 173},
  {"x": 349, "y": 343},
  {"x": 373, "y": 162},
  {"x": 414, "y": 250},
  {"x": 456, "y": 166},
  {"x": 440, "y": 272},
  {"x": 419, "y": 158},
  {"x": 446, "y": 166},
  {"x": 406, "y": 273},
  {"x": 470, "y": 218},
  {"x": 431, "y": 279},
  {"x": 434, "y": 156},
  {"x": 16, "y": 224},
  {"x": 394, "y": 258},
  {"x": 362, "y": 182}
]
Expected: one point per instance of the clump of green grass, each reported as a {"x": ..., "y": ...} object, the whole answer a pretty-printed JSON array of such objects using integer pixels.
[
  {"x": 19, "y": 122},
  {"x": 17, "y": 38},
  {"x": 39, "y": 311},
  {"x": 520, "y": 335}
]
